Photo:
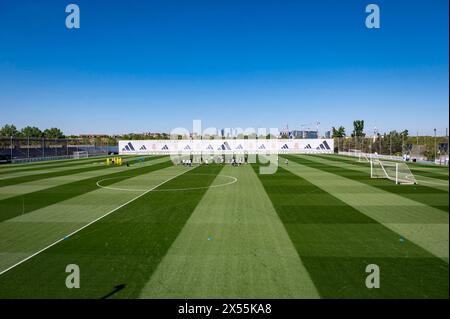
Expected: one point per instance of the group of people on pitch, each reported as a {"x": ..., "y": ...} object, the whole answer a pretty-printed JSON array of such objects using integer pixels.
[
  {"x": 220, "y": 159},
  {"x": 187, "y": 162}
]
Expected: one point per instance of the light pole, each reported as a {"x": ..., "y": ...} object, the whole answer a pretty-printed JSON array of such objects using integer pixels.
[
  {"x": 375, "y": 136},
  {"x": 403, "y": 143},
  {"x": 390, "y": 143},
  {"x": 435, "y": 146}
]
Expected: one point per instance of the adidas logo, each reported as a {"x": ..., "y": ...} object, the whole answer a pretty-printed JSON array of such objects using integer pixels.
[
  {"x": 128, "y": 147},
  {"x": 239, "y": 147},
  {"x": 308, "y": 146},
  {"x": 209, "y": 147},
  {"x": 224, "y": 146},
  {"x": 165, "y": 147},
  {"x": 143, "y": 148},
  {"x": 187, "y": 147},
  {"x": 285, "y": 147},
  {"x": 262, "y": 147},
  {"x": 324, "y": 146},
  {"x": 324, "y": 143}
]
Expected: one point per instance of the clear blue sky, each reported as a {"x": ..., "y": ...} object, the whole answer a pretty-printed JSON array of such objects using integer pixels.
[{"x": 152, "y": 65}]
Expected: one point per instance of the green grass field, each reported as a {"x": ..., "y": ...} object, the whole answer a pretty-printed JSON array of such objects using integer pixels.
[{"x": 155, "y": 230}]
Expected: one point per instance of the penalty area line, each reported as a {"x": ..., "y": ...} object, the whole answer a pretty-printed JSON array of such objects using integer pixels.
[{"x": 90, "y": 223}]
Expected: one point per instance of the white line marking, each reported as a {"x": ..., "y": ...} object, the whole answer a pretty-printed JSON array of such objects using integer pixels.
[
  {"x": 233, "y": 180},
  {"x": 433, "y": 183},
  {"x": 112, "y": 188},
  {"x": 90, "y": 223}
]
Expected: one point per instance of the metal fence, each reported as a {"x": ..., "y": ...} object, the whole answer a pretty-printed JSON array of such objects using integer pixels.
[
  {"x": 17, "y": 149},
  {"x": 421, "y": 148}
]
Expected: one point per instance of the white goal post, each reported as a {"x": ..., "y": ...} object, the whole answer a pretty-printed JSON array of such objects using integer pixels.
[
  {"x": 80, "y": 154},
  {"x": 397, "y": 172}
]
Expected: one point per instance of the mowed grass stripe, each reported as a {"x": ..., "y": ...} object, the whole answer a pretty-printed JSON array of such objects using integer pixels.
[
  {"x": 34, "y": 186},
  {"x": 423, "y": 225},
  {"x": 55, "y": 164},
  {"x": 49, "y": 173},
  {"x": 22, "y": 204},
  {"x": 336, "y": 244},
  {"x": 432, "y": 177},
  {"x": 233, "y": 246},
  {"x": 433, "y": 197},
  {"x": 431, "y": 172},
  {"x": 24, "y": 235},
  {"x": 57, "y": 167},
  {"x": 438, "y": 169},
  {"x": 439, "y": 182},
  {"x": 47, "y": 170},
  {"x": 123, "y": 248},
  {"x": 438, "y": 173},
  {"x": 41, "y": 164}
]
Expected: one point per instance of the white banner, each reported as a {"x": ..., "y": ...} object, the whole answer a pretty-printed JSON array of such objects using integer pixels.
[{"x": 226, "y": 146}]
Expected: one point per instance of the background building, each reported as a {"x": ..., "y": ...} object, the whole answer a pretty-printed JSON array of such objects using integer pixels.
[{"x": 304, "y": 134}]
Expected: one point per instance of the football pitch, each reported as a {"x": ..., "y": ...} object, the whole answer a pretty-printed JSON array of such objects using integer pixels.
[{"x": 157, "y": 230}]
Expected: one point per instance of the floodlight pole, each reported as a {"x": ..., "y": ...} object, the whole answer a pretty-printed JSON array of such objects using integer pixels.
[
  {"x": 446, "y": 137},
  {"x": 390, "y": 143},
  {"x": 435, "y": 149},
  {"x": 379, "y": 143},
  {"x": 396, "y": 173},
  {"x": 403, "y": 143}
]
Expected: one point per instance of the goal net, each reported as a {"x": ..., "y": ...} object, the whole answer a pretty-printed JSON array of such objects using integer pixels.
[
  {"x": 80, "y": 154},
  {"x": 397, "y": 172},
  {"x": 354, "y": 152},
  {"x": 363, "y": 158}
]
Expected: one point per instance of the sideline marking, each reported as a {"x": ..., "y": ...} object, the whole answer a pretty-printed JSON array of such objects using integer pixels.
[{"x": 90, "y": 223}]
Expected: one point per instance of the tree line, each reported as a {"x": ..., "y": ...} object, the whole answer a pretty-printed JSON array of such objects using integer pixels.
[
  {"x": 30, "y": 131},
  {"x": 358, "y": 131},
  {"x": 391, "y": 143}
]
